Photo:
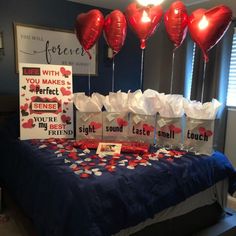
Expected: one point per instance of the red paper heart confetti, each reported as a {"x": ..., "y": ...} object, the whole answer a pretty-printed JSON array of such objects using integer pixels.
[
  {"x": 147, "y": 127},
  {"x": 202, "y": 130},
  {"x": 96, "y": 125},
  {"x": 121, "y": 122}
]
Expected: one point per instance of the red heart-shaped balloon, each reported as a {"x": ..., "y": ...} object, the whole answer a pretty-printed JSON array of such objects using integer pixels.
[
  {"x": 176, "y": 23},
  {"x": 207, "y": 27},
  {"x": 143, "y": 20},
  {"x": 88, "y": 28},
  {"x": 115, "y": 28}
]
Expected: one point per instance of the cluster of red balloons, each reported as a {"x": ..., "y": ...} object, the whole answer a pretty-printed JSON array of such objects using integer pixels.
[
  {"x": 206, "y": 27},
  {"x": 90, "y": 25}
]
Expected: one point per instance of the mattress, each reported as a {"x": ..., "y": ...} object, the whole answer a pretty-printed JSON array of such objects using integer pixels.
[{"x": 110, "y": 194}]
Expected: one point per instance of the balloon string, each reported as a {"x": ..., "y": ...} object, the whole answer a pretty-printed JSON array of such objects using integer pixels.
[
  {"x": 172, "y": 72},
  {"x": 141, "y": 70},
  {"x": 113, "y": 74},
  {"x": 203, "y": 81},
  {"x": 89, "y": 80}
]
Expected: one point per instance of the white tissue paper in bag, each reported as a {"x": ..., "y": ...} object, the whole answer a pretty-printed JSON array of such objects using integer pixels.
[
  {"x": 198, "y": 110},
  {"x": 85, "y": 103}
]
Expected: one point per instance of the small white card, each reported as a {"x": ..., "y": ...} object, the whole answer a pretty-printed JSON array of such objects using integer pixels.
[{"x": 109, "y": 148}]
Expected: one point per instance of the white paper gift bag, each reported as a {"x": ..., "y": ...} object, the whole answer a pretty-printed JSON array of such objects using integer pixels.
[
  {"x": 88, "y": 125},
  {"x": 199, "y": 135},
  {"x": 115, "y": 125},
  {"x": 169, "y": 132},
  {"x": 142, "y": 128}
]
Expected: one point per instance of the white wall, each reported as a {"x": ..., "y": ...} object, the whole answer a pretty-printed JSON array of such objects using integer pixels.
[{"x": 230, "y": 142}]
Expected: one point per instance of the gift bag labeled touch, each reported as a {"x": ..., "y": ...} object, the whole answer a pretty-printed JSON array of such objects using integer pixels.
[
  {"x": 115, "y": 126},
  {"x": 199, "y": 135},
  {"x": 199, "y": 131},
  {"x": 169, "y": 132}
]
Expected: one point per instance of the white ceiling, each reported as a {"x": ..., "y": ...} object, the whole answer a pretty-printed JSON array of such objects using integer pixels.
[{"x": 122, "y": 4}]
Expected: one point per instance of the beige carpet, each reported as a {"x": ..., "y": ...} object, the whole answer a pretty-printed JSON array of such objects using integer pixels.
[{"x": 9, "y": 227}]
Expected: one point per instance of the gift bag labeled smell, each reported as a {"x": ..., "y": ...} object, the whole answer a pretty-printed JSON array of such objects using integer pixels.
[
  {"x": 169, "y": 132},
  {"x": 199, "y": 135},
  {"x": 142, "y": 128},
  {"x": 88, "y": 125},
  {"x": 115, "y": 126}
]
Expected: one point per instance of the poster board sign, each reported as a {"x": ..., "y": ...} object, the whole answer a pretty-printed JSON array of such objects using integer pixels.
[
  {"x": 44, "y": 45},
  {"x": 46, "y": 105}
]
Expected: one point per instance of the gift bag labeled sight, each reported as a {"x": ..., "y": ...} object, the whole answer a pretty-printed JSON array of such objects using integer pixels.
[{"x": 88, "y": 116}]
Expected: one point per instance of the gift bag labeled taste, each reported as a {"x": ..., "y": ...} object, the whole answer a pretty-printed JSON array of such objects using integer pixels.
[
  {"x": 199, "y": 135},
  {"x": 142, "y": 128},
  {"x": 115, "y": 126},
  {"x": 169, "y": 132},
  {"x": 88, "y": 125}
]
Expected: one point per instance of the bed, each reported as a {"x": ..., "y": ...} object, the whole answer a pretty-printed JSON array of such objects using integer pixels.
[{"x": 68, "y": 191}]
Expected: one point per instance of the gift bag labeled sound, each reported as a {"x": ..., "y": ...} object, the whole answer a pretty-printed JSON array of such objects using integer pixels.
[
  {"x": 199, "y": 131},
  {"x": 115, "y": 118},
  {"x": 88, "y": 116},
  {"x": 115, "y": 126}
]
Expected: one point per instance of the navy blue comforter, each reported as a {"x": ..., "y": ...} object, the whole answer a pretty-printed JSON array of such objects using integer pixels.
[{"x": 68, "y": 192}]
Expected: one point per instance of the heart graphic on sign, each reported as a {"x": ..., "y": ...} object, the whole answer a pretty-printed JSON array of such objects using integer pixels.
[
  {"x": 65, "y": 92},
  {"x": 28, "y": 124},
  {"x": 96, "y": 125},
  {"x": 24, "y": 113},
  {"x": 65, "y": 73},
  {"x": 24, "y": 107},
  {"x": 121, "y": 122},
  {"x": 66, "y": 119},
  {"x": 34, "y": 88}
]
